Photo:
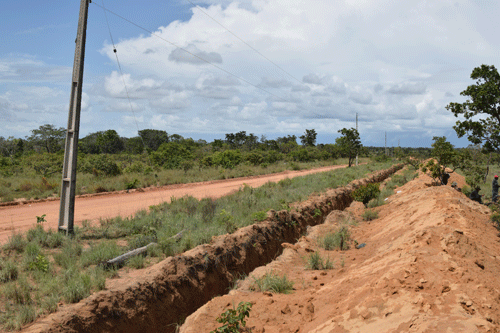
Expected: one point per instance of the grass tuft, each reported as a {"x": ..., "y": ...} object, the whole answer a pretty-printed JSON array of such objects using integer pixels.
[
  {"x": 273, "y": 283},
  {"x": 316, "y": 262}
]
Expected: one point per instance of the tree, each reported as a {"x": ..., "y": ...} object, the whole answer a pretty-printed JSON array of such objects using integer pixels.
[
  {"x": 48, "y": 138},
  {"x": 349, "y": 143},
  {"x": 153, "y": 139},
  {"x": 482, "y": 110},
  {"x": 309, "y": 138},
  {"x": 446, "y": 157},
  {"x": 109, "y": 142}
]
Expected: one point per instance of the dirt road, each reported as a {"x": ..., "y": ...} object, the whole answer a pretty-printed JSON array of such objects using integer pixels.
[{"x": 92, "y": 208}]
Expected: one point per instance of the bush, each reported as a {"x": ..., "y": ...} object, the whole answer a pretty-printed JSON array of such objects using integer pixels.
[
  {"x": 99, "y": 165},
  {"x": 366, "y": 193},
  {"x": 232, "y": 318},
  {"x": 227, "y": 159},
  {"x": 369, "y": 215}
]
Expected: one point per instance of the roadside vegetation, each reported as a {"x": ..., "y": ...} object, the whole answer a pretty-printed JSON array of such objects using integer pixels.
[
  {"x": 41, "y": 268},
  {"x": 31, "y": 168}
]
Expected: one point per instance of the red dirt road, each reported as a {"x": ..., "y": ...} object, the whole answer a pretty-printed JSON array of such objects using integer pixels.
[{"x": 20, "y": 218}]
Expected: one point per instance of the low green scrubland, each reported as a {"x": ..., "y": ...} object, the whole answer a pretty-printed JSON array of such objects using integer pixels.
[
  {"x": 41, "y": 268},
  {"x": 20, "y": 179}
]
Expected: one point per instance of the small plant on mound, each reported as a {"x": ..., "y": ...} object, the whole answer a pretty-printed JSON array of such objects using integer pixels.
[
  {"x": 369, "y": 215},
  {"x": 366, "y": 193},
  {"x": 336, "y": 240},
  {"x": 273, "y": 283},
  {"x": 316, "y": 262},
  {"x": 233, "y": 318}
]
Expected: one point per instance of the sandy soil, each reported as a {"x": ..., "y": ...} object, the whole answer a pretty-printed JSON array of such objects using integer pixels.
[
  {"x": 431, "y": 264},
  {"x": 92, "y": 208}
]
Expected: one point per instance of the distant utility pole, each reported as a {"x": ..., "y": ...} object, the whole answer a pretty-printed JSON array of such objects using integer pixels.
[
  {"x": 386, "y": 144},
  {"x": 67, "y": 208},
  {"x": 358, "y": 133}
]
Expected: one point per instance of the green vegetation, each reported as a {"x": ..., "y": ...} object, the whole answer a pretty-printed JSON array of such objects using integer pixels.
[
  {"x": 349, "y": 143},
  {"x": 58, "y": 269},
  {"x": 370, "y": 215},
  {"x": 31, "y": 168},
  {"x": 408, "y": 174},
  {"x": 314, "y": 261},
  {"x": 274, "y": 283},
  {"x": 481, "y": 114},
  {"x": 365, "y": 193},
  {"x": 233, "y": 318}
]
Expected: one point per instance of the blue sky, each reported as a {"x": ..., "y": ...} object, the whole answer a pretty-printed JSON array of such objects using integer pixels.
[{"x": 395, "y": 63}]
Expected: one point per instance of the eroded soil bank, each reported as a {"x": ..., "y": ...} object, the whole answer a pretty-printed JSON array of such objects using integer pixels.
[
  {"x": 158, "y": 298},
  {"x": 431, "y": 264}
]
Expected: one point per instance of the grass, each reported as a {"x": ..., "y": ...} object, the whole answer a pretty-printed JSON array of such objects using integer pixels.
[
  {"x": 340, "y": 239},
  {"x": 274, "y": 283},
  {"x": 409, "y": 173},
  {"x": 314, "y": 261},
  {"x": 41, "y": 268}
]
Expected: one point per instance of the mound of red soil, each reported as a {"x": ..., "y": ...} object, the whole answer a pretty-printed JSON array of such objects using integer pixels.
[{"x": 431, "y": 263}]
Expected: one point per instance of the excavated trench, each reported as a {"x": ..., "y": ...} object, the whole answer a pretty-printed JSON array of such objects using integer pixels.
[{"x": 173, "y": 289}]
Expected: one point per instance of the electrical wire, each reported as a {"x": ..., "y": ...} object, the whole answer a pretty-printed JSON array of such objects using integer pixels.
[
  {"x": 125, "y": 85},
  {"x": 194, "y": 55},
  {"x": 250, "y": 46}
]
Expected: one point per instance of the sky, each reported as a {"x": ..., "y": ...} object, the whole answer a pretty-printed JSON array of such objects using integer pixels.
[{"x": 204, "y": 68}]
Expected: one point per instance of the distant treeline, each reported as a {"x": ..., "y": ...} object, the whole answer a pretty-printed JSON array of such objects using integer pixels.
[{"x": 158, "y": 149}]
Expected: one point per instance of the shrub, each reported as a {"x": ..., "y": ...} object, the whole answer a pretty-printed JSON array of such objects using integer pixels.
[
  {"x": 259, "y": 216},
  {"x": 273, "y": 283},
  {"x": 366, "y": 193},
  {"x": 100, "y": 165},
  {"x": 232, "y": 318},
  {"x": 227, "y": 159},
  {"x": 227, "y": 220},
  {"x": 316, "y": 262},
  {"x": 369, "y": 215},
  {"x": 131, "y": 185},
  {"x": 39, "y": 264}
]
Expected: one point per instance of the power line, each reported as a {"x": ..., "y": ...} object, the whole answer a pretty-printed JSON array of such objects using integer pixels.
[
  {"x": 125, "y": 85},
  {"x": 250, "y": 46},
  {"x": 194, "y": 55}
]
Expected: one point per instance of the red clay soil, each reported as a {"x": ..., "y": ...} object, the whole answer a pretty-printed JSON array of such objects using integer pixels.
[
  {"x": 431, "y": 264},
  {"x": 22, "y": 216},
  {"x": 157, "y": 298}
]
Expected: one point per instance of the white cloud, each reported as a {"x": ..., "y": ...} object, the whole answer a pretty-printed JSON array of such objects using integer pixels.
[{"x": 395, "y": 63}]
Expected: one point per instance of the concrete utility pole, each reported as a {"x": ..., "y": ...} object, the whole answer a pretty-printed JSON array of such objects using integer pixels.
[
  {"x": 67, "y": 208},
  {"x": 358, "y": 133}
]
